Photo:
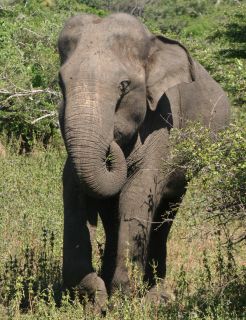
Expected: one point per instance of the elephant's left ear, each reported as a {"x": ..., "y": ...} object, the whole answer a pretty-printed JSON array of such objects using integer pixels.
[{"x": 169, "y": 64}]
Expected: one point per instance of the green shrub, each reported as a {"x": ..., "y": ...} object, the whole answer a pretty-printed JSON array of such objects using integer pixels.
[
  {"x": 29, "y": 93},
  {"x": 221, "y": 50},
  {"x": 31, "y": 276},
  {"x": 215, "y": 166}
]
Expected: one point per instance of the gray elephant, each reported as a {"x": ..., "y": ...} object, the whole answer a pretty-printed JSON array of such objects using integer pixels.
[{"x": 123, "y": 90}]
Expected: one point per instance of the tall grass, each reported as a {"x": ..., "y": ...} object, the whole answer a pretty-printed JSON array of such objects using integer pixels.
[{"x": 206, "y": 276}]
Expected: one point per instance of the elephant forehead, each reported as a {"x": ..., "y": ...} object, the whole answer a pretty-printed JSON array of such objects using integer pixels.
[
  {"x": 122, "y": 23},
  {"x": 115, "y": 31},
  {"x": 113, "y": 47},
  {"x": 128, "y": 45}
]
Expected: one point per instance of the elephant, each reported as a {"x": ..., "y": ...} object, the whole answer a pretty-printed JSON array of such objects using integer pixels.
[{"x": 124, "y": 90}]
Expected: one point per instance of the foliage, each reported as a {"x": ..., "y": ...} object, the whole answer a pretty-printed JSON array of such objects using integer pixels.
[
  {"x": 29, "y": 92},
  {"x": 30, "y": 226},
  {"x": 169, "y": 15},
  {"x": 207, "y": 277},
  {"x": 32, "y": 277},
  {"x": 222, "y": 50},
  {"x": 215, "y": 166}
]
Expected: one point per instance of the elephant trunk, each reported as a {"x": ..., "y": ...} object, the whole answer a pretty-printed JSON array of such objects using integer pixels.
[{"x": 99, "y": 162}]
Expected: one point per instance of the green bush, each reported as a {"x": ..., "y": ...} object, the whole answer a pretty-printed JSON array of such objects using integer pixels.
[
  {"x": 215, "y": 166},
  {"x": 29, "y": 93},
  {"x": 221, "y": 50},
  {"x": 207, "y": 277}
]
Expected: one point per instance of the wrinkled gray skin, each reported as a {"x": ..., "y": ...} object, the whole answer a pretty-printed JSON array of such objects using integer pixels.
[{"x": 123, "y": 90}]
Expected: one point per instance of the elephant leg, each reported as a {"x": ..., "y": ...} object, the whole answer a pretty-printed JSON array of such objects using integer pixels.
[
  {"x": 157, "y": 249},
  {"x": 137, "y": 204},
  {"x": 109, "y": 217},
  {"x": 77, "y": 252},
  {"x": 92, "y": 219},
  {"x": 155, "y": 270}
]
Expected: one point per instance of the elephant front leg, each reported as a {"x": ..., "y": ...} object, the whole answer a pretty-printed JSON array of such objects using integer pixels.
[
  {"x": 78, "y": 271},
  {"x": 137, "y": 205}
]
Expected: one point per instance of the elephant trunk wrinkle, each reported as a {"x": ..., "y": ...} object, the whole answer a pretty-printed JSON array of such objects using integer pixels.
[{"x": 99, "y": 162}]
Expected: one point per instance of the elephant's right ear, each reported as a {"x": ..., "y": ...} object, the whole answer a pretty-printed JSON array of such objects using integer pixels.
[
  {"x": 169, "y": 64},
  {"x": 71, "y": 33}
]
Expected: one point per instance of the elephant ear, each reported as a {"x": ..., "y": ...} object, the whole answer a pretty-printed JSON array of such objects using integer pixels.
[
  {"x": 70, "y": 34},
  {"x": 169, "y": 64}
]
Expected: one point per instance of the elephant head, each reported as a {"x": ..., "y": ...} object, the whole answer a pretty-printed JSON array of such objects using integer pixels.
[{"x": 112, "y": 70}]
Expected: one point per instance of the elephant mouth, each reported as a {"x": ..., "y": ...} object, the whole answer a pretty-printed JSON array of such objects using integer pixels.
[
  {"x": 122, "y": 139},
  {"x": 125, "y": 142}
]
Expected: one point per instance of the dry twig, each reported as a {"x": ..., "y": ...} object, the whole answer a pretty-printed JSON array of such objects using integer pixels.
[
  {"x": 51, "y": 114},
  {"x": 25, "y": 93}
]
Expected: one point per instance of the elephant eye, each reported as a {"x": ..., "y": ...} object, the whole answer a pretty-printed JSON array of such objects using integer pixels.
[{"x": 124, "y": 86}]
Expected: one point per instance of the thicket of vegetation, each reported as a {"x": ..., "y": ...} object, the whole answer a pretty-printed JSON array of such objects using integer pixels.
[
  {"x": 207, "y": 271},
  {"x": 29, "y": 92}
]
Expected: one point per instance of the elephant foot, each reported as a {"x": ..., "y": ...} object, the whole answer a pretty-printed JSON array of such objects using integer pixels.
[
  {"x": 120, "y": 282},
  {"x": 93, "y": 287},
  {"x": 158, "y": 295}
]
